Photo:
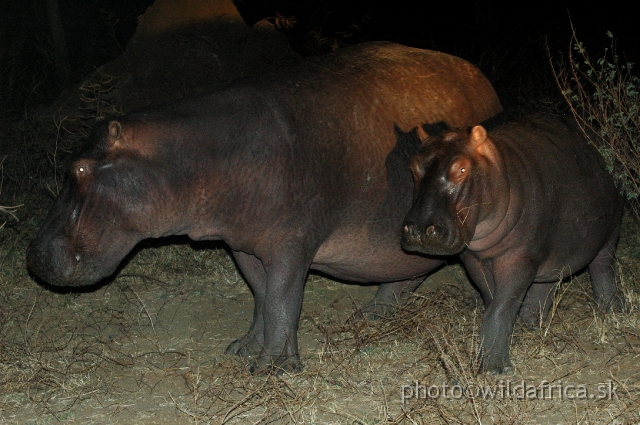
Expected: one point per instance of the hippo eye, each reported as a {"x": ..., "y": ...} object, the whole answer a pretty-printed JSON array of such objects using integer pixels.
[
  {"x": 81, "y": 169},
  {"x": 458, "y": 170}
]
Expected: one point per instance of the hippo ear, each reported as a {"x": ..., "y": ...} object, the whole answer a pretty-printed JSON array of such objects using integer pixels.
[
  {"x": 114, "y": 133},
  {"x": 481, "y": 144},
  {"x": 422, "y": 135},
  {"x": 478, "y": 136}
]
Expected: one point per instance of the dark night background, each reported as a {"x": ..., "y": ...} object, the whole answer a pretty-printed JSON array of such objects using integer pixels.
[{"x": 507, "y": 40}]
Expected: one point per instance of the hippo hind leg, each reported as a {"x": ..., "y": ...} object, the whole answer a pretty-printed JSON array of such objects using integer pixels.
[
  {"x": 606, "y": 291},
  {"x": 536, "y": 305},
  {"x": 251, "y": 344},
  {"x": 389, "y": 297}
]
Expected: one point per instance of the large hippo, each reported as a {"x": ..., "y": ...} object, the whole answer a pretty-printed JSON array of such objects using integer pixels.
[
  {"x": 294, "y": 170},
  {"x": 524, "y": 206}
]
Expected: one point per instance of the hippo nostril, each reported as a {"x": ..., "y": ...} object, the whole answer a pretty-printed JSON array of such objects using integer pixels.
[
  {"x": 411, "y": 233},
  {"x": 431, "y": 230}
]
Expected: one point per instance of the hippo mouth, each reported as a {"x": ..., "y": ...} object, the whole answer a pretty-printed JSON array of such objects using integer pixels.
[
  {"x": 56, "y": 264},
  {"x": 433, "y": 240}
]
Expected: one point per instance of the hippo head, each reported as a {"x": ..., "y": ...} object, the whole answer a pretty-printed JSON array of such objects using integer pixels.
[
  {"x": 447, "y": 172},
  {"x": 106, "y": 206}
]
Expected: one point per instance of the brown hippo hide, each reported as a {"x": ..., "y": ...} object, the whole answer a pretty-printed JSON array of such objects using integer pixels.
[
  {"x": 524, "y": 206},
  {"x": 295, "y": 170}
]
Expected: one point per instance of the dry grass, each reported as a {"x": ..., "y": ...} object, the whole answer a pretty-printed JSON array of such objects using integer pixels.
[
  {"x": 6, "y": 210},
  {"x": 147, "y": 349}
]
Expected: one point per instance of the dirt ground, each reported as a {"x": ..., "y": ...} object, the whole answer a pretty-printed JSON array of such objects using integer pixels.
[{"x": 148, "y": 346}]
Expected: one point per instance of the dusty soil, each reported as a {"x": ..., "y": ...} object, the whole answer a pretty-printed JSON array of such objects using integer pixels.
[{"x": 148, "y": 346}]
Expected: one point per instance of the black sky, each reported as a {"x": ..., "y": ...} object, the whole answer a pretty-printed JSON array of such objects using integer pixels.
[{"x": 98, "y": 30}]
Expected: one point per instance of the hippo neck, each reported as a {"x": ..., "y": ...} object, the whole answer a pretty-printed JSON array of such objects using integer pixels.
[
  {"x": 223, "y": 197},
  {"x": 217, "y": 177},
  {"x": 493, "y": 203}
]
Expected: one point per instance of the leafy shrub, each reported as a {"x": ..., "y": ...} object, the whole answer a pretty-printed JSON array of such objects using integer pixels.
[{"x": 604, "y": 97}]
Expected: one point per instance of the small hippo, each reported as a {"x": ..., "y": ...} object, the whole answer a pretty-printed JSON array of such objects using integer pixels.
[
  {"x": 523, "y": 206},
  {"x": 296, "y": 170}
]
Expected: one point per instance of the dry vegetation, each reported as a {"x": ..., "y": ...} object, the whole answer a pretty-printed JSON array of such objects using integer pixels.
[
  {"x": 147, "y": 349},
  {"x": 604, "y": 96}
]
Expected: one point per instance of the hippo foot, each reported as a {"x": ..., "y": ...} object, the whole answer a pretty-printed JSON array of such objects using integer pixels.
[
  {"x": 495, "y": 365},
  {"x": 390, "y": 297},
  {"x": 615, "y": 303},
  {"x": 276, "y": 366},
  {"x": 378, "y": 310},
  {"x": 529, "y": 321},
  {"x": 248, "y": 347},
  {"x": 500, "y": 371}
]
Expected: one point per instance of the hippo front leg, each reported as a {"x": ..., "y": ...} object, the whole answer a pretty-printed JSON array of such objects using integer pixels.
[
  {"x": 510, "y": 279},
  {"x": 251, "y": 344},
  {"x": 503, "y": 286},
  {"x": 272, "y": 340},
  {"x": 281, "y": 316}
]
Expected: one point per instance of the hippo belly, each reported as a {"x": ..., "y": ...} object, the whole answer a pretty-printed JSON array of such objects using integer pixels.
[{"x": 358, "y": 258}]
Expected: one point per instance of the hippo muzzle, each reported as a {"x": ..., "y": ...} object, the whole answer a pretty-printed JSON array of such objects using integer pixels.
[
  {"x": 58, "y": 263},
  {"x": 52, "y": 261},
  {"x": 432, "y": 239},
  {"x": 439, "y": 221}
]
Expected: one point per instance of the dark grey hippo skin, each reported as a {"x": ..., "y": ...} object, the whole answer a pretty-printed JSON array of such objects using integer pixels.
[
  {"x": 523, "y": 206},
  {"x": 295, "y": 170}
]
